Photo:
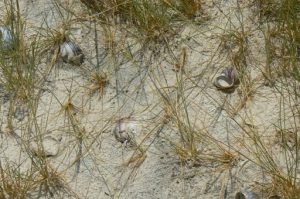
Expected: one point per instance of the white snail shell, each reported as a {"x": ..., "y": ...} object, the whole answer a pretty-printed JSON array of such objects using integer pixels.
[
  {"x": 125, "y": 130},
  {"x": 71, "y": 53},
  {"x": 227, "y": 79}
]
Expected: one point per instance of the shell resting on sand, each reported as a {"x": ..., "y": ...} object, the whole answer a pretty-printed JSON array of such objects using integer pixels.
[
  {"x": 246, "y": 195},
  {"x": 125, "y": 131},
  {"x": 71, "y": 53},
  {"x": 228, "y": 79},
  {"x": 251, "y": 195},
  {"x": 5, "y": 38}
]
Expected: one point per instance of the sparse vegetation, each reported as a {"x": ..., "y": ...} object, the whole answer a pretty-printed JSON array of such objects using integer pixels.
[{"x": 135, "y": 107}]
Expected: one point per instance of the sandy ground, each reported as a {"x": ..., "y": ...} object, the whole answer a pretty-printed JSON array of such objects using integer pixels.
[{"x": 104, "y": 169}]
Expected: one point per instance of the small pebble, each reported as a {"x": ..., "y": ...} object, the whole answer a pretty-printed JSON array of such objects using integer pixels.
[{"x": 50, "y": 145}]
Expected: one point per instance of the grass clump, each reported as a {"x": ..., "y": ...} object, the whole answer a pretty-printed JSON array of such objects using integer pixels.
[
  {"x": 152, "y": 21},
  {"x": 15, "y": 184},
  {"x": 282, "y": 39},
  {"x": 98, "y": 83},
  {"x": 186, "y": 8}
]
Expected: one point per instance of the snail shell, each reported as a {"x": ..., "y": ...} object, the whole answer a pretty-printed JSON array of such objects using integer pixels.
[
  {"x": 6, "y": 38},
  {"x": 71, "y": 53},
  {"x": 246, "y": 195},
  {"x": 125, "y": 130},
  {"x": 227, "y": 79}
]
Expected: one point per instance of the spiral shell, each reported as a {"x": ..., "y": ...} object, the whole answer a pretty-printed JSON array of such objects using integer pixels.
[
  {"x": 125, "y": 131},
  {"x": 71, "y": 53},
  {"x": 228, "y": 79}
]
